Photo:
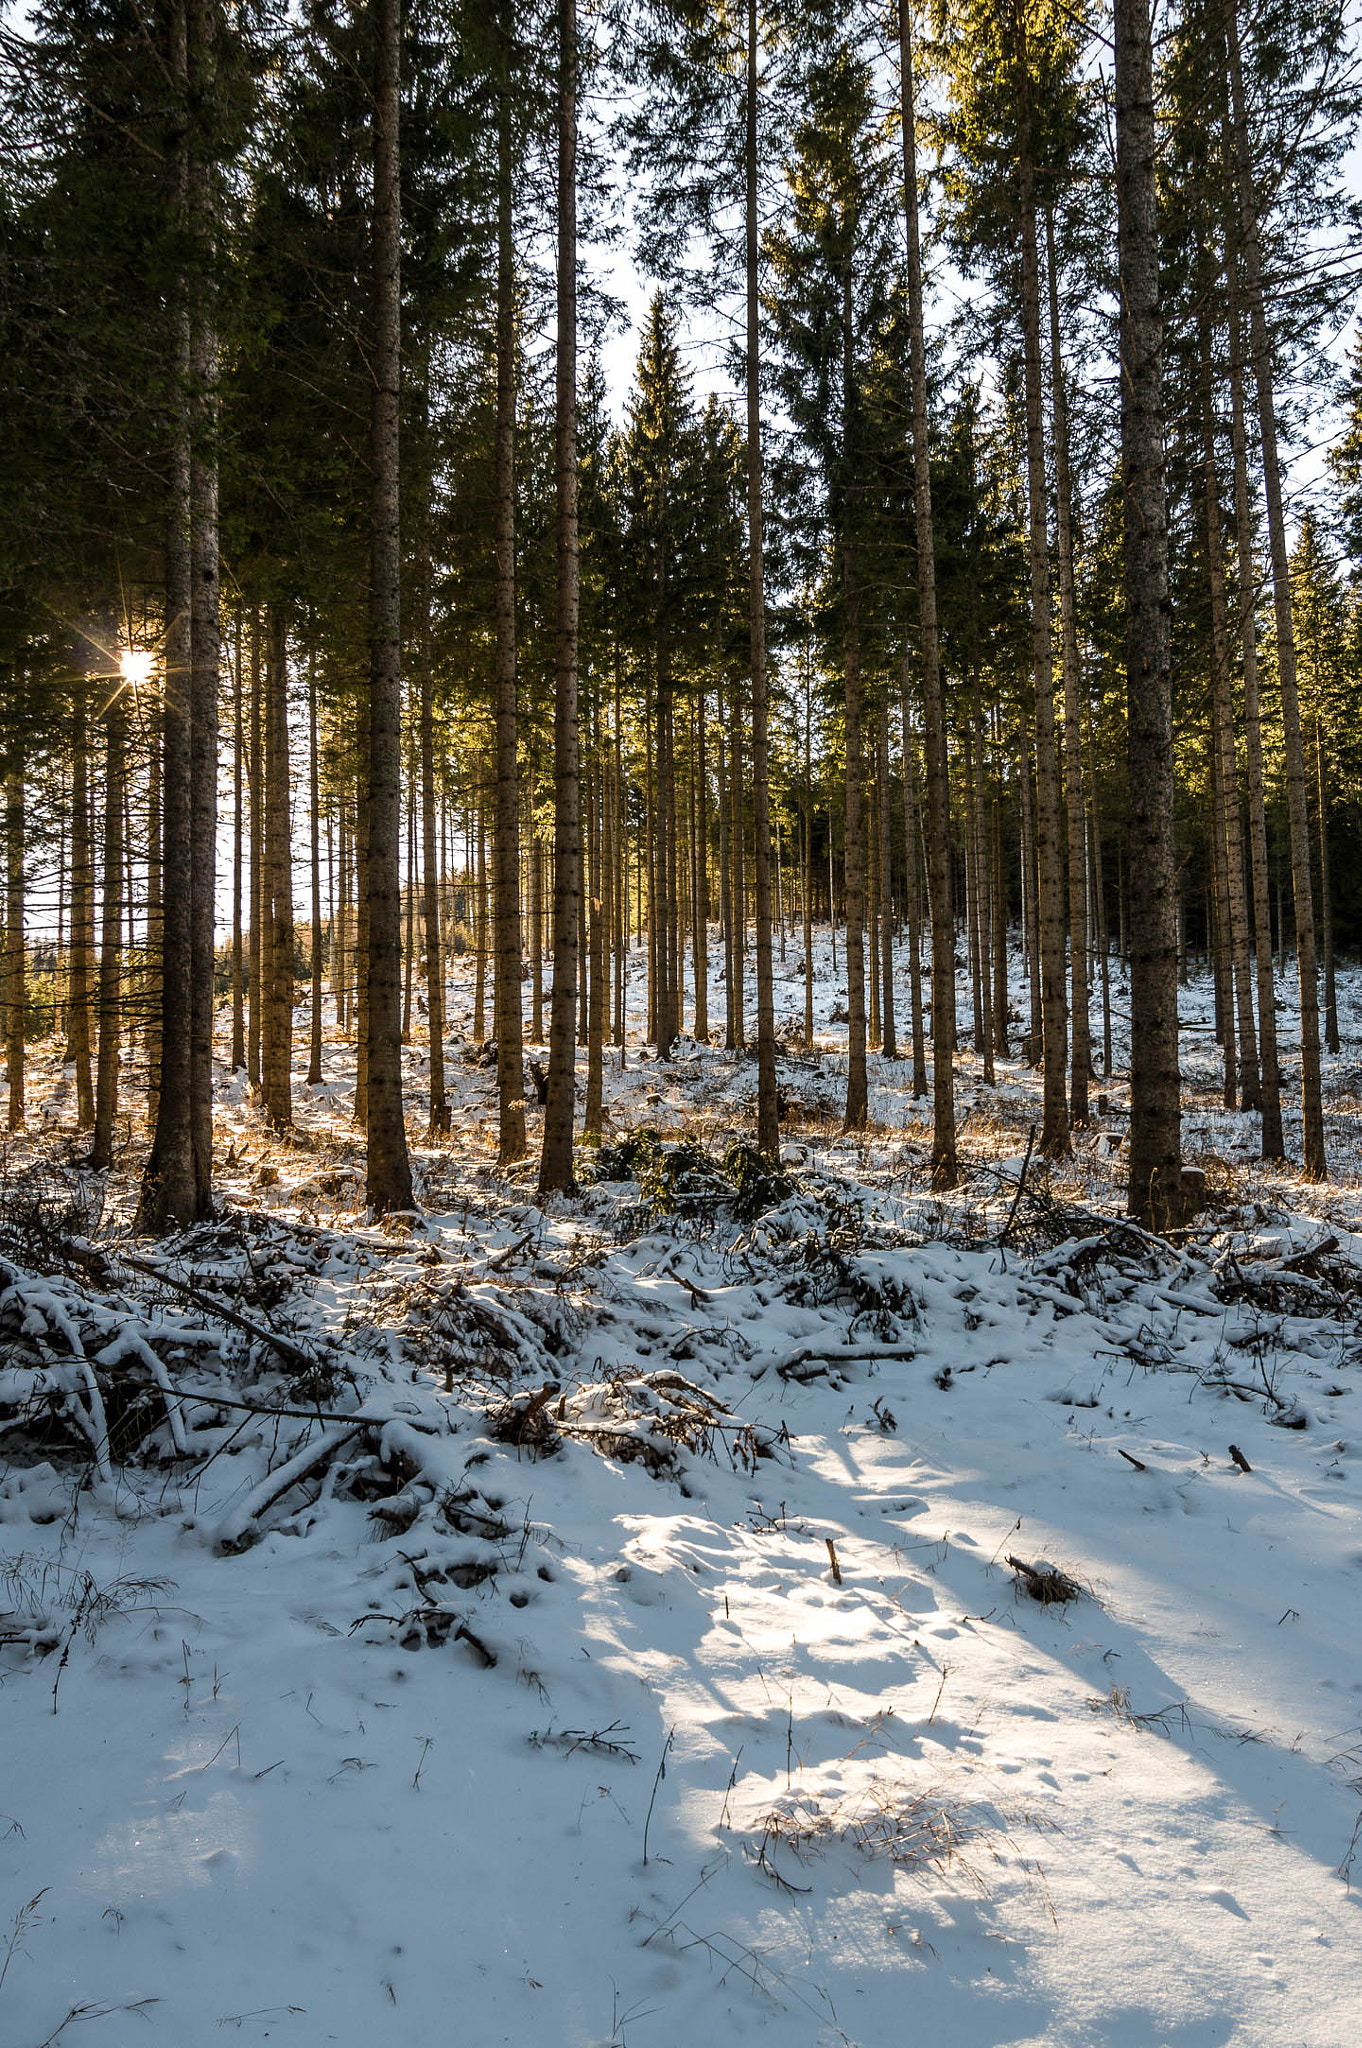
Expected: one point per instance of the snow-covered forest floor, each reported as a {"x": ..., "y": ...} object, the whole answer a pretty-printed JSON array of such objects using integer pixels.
[{"x": 648, "y": 1649}]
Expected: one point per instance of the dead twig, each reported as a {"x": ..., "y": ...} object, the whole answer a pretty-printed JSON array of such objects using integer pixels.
[{"x": 1021, "y": 1184}]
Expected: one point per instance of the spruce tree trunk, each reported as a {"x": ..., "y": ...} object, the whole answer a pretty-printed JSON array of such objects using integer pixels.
[
  {"x": 262, "y": 880},
  {"x": 1099, "y": 897},
  {"x": 277, "y": 1034},
  {"x": 945, "y": 1170},
  {"x": 389, "y": 1168},
  {"x": 169, "y": 1196},
  {"x": 480, "y": 923},
  {"x": 982, "y": 891},
  {"x": 1312, "y": 1107},
  {"x": 1223, "y": 728},
  {"x": 1031, "y": 1043},
  {"x": 872, "y": 891},
  {"x": 110, "y": 991},
  {"x": 555, "y": 1163},
  {"x": 536, "y": 918},
  {"x": 807, "y": 890},
  {"x": 205, "y": 625},
  {"x": 622, "y": 874},
  {"x": 857, "y": 1091},
  {"x": 971, "y": 867},
  {"x": 1273, "y": 1141},
  {"x": 914, "y": 886},
  {"x": 726, "y": 889},
  {"x": 664, "y": 904},
  {"x": 1155, "y": 1184},
  {"x": 409, "y": 941},
  {"x": 1218, "y": 922},
  {"x": 1054, "y": 1016},
  {"x": 595, "y": 1021},
  {"x": 507, "y": 1021},
  {"x": 82, "y": 912},
  {"x": 889, "y": 1044},
  {"x": 430, "y": 877},
  {"x": 238, "y": 836},
  {"x": 1080, "y": 1046},
  {"x": 701, "y": 918},
  {"x": 1001, "y": 1020},
  {"x": 258, "y": 940},
  {"x": 737, "y": 851},
  {"x": 768, "y": 1126},
  {"x": 1326, "y": 899},
  {"x": 150, "y": 980},
  {"x": 15, "y": 965},
  {"x": 314, "y": 805}
]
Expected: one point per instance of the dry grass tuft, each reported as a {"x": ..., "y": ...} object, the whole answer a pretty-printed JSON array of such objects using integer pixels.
[{"x": 912, "y": 1830}]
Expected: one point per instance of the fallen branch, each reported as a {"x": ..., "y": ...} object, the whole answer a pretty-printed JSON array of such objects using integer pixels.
[
  {"x": 237, "y": 1531},
  {"x": 295, "y": 1353},
  {"x": 508, "y": 1252},
  {"x": 788, "y": 1368}
]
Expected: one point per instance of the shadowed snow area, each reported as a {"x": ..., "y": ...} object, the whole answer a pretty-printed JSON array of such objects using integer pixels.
[{"x": 642, "y": 1654}]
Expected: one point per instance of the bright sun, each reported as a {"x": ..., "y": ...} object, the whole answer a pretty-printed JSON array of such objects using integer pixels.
[{"x": 135, "y": 662}]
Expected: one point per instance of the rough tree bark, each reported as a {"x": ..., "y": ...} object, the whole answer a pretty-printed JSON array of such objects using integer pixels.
[
  {"x": 1054, "y": 1014},
  {"x": 1155, "y": 1183},
  {"x": 768, "y": 1127},
  {"x": 507, "y": 1020},
  {"x": 169, "y": 1196},
  {"x": 945, "y": 1170},
  {"x": 389, "y": 1168},
  {"x": 276, "y": 1058},
  {"x": 82, "y": 909},
  {"x": 555, "y": 1163},
  {"x": 1312, "y": 1107},
  {"x": 1080, "y": 1053},
  {"x": 110, "y": 988}
]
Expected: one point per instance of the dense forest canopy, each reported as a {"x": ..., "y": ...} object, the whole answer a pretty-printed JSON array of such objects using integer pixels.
[{"x": 995, "y": 598}]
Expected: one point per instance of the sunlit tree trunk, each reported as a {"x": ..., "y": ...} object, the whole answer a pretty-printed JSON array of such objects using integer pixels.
[
  {"x": 1230, "y": 828},
  {"x": 314, "y": 806},
  {"x": 888, "y": 1035},
  {"x": 205, "y": 626},
  {"x": 82, "y": 911},
  {"x": 110, "y": 988},
  {"x": 1155, "y": 1183},
  {"x": 555, "y": 1164},
  {"x": 389, "y": 1168},
  {"x": 169, "y": 1194},
  {"x": 768, "y": 1130},
  {"x": 1273, "y": 1140},
  {"x": 857, "y": 1091},
  {"x": 1080, "y": 1048},
  {"x": 238, "y": 839},
  {"x": 506, "y": 847},
  {"x": 1054, "y": 1016},
  {"x": 16, "y": 993},
  {"x": 430, "y": 878},
  {"x": 945, "y": 1170},
  {"x": 1312, "y": 1107},
  {"x": 276, "y": 1064}
]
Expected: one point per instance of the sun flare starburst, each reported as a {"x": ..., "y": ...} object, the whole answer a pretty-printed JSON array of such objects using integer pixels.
[{"x": 135, "y": 666}]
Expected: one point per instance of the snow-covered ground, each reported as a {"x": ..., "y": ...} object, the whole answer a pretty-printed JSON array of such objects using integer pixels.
[{"x": 649, "y": 1659}]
